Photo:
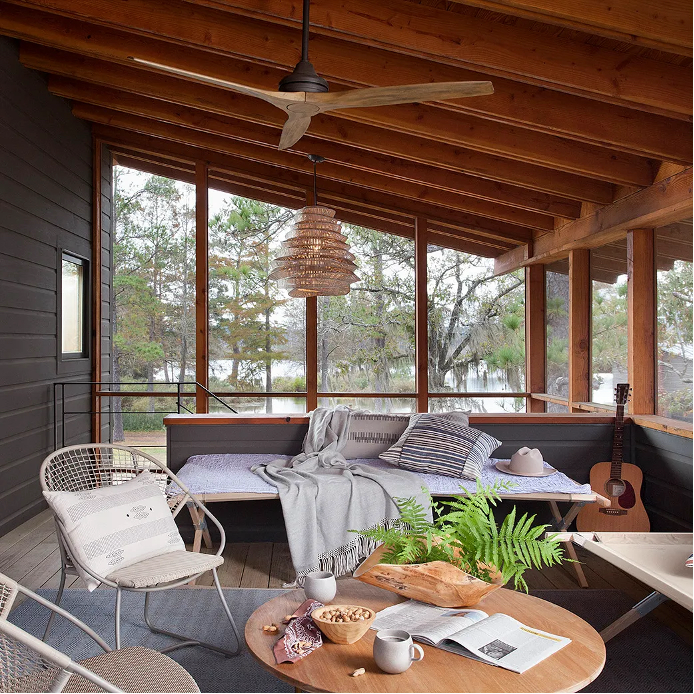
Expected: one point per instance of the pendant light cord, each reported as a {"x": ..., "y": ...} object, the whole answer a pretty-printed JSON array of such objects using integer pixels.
[
  {"x": 315, "y": 185},
  {"x": 304, "y": 30}
]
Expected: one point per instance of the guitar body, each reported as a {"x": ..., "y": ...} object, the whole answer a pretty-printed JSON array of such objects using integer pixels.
[{"x": 626, "y": 513}]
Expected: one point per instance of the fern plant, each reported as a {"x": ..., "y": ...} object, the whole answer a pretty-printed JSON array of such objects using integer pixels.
[{"x": 466, "y": 535}]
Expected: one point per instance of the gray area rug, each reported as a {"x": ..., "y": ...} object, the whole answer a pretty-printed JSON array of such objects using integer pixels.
[{"x": 647, "y": 657}]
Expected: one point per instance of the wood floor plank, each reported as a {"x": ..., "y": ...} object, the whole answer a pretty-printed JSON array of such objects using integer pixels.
[
  {"x": 281, "y": 568},
  {"x": 29, "y": 561},
  {"x": 40, "y": 573},
  {"x": 231, "y": 571},
  {"x": 26, "y": 542},
  {"x": 256, "y": 572},
  {"x": 16, "y": 534}
]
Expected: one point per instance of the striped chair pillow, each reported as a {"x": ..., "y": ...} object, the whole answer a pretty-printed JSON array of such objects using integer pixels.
[{"x": 444, "y": 447}]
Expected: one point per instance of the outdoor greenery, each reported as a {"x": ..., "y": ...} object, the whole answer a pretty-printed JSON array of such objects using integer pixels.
[
  {"x": 675, "y": 341},
  {"x": 365, "y": 339},
  {"x": 465, "y": 534},
  {"x": 257, "y": 333}
]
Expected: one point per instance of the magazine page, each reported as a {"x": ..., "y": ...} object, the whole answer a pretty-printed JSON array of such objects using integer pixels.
[
  {"x": 425, "y": 622},
  {"x": 503, "y": 641}
]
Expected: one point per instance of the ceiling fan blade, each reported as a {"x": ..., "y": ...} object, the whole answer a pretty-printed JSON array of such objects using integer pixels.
[
  {"x": 404, "y": 94},
  {"x": 294, "y": 129},
  {"x": 279, "y": 99}
]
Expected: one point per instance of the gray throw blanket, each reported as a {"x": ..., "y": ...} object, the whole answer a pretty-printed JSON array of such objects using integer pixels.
[{"x": 324, "y": 496}]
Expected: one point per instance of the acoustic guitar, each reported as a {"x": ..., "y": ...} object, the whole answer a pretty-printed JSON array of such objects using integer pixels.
[{"x": 620, "y": 482}]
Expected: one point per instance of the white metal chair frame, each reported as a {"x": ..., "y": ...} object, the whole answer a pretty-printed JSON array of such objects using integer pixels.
[
  {"x": 94, "y": 467},
  {"x": 48, "y": 657}
]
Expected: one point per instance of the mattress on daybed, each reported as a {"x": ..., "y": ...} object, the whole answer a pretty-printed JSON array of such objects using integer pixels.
[{"x": 224, "y": 473}]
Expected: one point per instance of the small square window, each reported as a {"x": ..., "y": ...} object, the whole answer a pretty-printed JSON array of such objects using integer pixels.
[{"x": 73, "y": 306}]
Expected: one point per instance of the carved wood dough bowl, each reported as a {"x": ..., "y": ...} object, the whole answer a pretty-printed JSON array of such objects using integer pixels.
[
  {"x": 436, "y": 582},
  {"x": 342, "y": 632}
]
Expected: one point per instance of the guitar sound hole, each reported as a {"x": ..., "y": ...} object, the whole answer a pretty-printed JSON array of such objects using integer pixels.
[{"x": 615, "y": 487}]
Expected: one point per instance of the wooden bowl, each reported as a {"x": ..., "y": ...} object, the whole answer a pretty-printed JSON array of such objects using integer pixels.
[
  {"x": 436, "y": 582},
  {"x": 342, "y": 632}
]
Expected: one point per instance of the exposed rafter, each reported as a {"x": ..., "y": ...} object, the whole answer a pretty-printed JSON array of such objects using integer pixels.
[
  {"x": 662, "y": 203},
  {"x": 541, "y": 110},
  {"x": 665, "y": 26},
  {"x": 494, "y": 48}
]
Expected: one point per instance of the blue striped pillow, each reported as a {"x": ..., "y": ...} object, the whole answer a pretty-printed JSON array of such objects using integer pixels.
[{"x": 443, "y": 447}]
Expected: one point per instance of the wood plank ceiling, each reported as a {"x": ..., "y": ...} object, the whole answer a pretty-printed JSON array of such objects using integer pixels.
[{"x": 590, "y": 100}]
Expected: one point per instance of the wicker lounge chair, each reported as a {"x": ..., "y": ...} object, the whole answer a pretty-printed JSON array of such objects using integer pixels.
[
  {"x": 27, "y": 664},
  {"x": 90, "y": 466}
]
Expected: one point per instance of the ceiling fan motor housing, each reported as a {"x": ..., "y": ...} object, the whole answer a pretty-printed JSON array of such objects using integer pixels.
[{"x": 303, "y": 79}]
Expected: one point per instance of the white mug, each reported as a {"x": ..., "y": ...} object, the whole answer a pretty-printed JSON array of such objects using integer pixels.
[
  {"x": 320, "y": 585},
  {"x": 394, "y": 651}
]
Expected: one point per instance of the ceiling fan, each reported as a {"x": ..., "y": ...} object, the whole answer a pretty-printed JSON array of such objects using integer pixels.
[{"x": 303, "y": 94}]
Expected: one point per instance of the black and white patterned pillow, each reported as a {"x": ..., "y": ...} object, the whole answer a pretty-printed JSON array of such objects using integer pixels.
[
  {"x": 116, "y": 526},
  {"x": 441, "y": 446}
]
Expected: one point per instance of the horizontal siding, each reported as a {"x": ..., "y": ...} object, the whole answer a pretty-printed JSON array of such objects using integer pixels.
[
  {"x": 666, "y": 462},
  {"x": 45, "y": 207}
]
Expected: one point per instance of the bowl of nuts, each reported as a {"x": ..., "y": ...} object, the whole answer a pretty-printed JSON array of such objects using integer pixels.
[{"x": 343, "y": 623}]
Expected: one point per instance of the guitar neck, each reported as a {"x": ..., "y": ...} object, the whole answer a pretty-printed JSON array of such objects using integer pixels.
[{"x": 618, "y": 444}]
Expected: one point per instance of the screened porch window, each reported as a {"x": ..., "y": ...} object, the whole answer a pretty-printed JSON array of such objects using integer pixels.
[{"x": 72, "y": 289}]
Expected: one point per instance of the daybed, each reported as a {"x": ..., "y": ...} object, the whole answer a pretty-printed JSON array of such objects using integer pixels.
[{"x": 213, "y": 455}]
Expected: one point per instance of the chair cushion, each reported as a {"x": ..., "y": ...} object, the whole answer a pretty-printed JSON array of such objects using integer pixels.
[
  {"x": 116, "y": 526},
  {"x": 134, "y": 670},
  {"x": 443, "y": 447},
  {"x": 164, "y": 568},
  {"x": 392, "y": 455},
  {"x": 371, "y": 434}
]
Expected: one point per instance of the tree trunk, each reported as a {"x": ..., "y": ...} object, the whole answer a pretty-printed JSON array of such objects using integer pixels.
[
  {"x": 323, "y": 348},
  {"x": 268, "y": 361}
]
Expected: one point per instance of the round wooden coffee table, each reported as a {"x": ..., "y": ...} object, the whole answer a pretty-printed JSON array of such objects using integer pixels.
[{"x": 328, "y": 669}]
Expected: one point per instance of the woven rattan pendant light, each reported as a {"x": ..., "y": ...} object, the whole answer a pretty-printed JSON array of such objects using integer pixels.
[{"x": 316, "y": 259}]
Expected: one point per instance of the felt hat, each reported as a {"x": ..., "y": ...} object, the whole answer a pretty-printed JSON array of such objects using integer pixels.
[{"x": 525, "y": 462}]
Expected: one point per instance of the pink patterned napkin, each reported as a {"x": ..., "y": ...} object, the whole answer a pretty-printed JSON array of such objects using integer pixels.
[{"x": 301, "y": 636}]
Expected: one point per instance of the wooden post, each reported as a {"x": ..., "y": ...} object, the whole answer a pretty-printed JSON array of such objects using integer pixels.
[
  {"x": 421, "y": 301},
  {"x": 641, "y": 298},
  {"x": 201, "y": 287},
  {"x": 311, "y": 340},
  {"x": 95, "y": 288},
  {"x": 535, "y": 336},
  {"x": 579, "y": 327}
]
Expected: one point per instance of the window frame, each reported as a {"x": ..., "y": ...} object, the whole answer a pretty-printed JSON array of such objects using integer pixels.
[{"x": 84, "y": 355}]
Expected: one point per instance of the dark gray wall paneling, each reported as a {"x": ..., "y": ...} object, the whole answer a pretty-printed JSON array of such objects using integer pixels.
[
  {"x": 45, "y": 206},
  {"x": 666, "y": 462}
]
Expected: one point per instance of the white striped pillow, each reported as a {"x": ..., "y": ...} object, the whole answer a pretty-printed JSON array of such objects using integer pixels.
[
  {"x": 440, "y": 446},
  {"x": 116, "y": 526}
]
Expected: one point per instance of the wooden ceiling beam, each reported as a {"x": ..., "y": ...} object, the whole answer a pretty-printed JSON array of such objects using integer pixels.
[
  {"x": 272, "y": 194},
  {"x": 660, "y": 204},
  {"x": 248, "y": 145},
  {"x": 328, "y": 188},
  {"x": 488, "y": 167},
  {"x": 349, "y": 157},
  {"x": 511, "y": 203},
  {"x": 513, "y": 103},
  {"x": 492, "y": 47},
  {"x": 521, "y": 146},
  {"x": 651, "y": 23}
]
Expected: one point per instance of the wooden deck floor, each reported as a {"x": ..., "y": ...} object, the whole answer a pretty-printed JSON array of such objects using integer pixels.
[{"x": 29, "y": 554}]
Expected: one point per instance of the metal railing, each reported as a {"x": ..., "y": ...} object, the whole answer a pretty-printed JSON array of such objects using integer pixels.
[{"x": 59, "y": 403}]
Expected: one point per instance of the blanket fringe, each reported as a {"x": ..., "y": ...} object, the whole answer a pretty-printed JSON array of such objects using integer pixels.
[{"x": 344, "y": 560}]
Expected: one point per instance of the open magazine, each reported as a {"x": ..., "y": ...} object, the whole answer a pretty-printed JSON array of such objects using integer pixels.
[{"x": 497, "y": 639}]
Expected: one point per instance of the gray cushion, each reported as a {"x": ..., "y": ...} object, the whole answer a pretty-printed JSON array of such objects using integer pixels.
[
  {"x": 441, "y": 446},
  {"x": 371, "y": 434},
  {"x": 392, "y": 455}
]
